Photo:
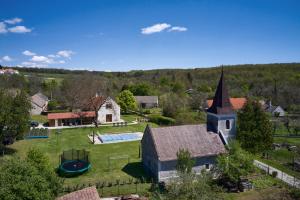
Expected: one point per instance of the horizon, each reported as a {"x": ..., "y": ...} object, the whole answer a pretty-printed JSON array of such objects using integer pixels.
[{"x": 122, "y": 36}]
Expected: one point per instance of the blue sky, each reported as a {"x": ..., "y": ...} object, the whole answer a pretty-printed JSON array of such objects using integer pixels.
[{"x": 122, "y": 35}]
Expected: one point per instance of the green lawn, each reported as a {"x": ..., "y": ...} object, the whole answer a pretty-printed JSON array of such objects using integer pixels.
[
  {"x": 282, "y": 159},
  {"x": 99, "y": 154},
  {"x": 39, "y": 118}
]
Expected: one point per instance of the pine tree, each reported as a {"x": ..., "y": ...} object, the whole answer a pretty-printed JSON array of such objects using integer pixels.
[{"x": 254, "y": 129}]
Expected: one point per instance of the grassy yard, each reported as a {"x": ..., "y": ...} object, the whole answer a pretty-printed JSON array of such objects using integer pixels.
[
  {"x": 99, "y": 154},
  {"x": 282, "y": 159},
  {"x": 39, "y": 118}
]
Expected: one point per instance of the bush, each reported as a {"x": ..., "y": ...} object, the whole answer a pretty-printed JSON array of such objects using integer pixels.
[
  {"x": 274, "y": 174},
  {"x": 161, "y": 120}
]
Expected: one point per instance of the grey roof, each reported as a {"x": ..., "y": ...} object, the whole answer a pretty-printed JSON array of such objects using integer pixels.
[
  {"x": 146, "y": 99},
  {"x": 194, "y": 138},
  {"x": 39, "y": 99},
  {"x": 89, "y": 193}
]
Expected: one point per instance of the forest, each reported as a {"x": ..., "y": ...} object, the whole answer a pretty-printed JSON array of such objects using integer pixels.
[{"x": 179, "y": 88}]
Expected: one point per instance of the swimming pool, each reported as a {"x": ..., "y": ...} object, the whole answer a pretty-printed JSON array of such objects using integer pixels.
[{"x": 121, "y": 137}]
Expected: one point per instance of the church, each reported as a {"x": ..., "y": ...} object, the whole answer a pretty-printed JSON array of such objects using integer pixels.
[{"x": 204, "y": 141}]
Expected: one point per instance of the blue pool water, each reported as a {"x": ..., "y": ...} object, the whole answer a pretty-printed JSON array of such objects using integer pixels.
[{"x": 109, "y": 138}]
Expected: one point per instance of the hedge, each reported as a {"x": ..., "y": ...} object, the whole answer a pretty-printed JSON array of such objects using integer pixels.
[{"x": 161, "y": 120}]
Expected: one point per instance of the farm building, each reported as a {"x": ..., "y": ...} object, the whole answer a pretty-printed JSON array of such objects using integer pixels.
[
  {"x": 147, "y": 101},
  {"x": 39, "y": 103},
  {"x": 204, "y": 142}
]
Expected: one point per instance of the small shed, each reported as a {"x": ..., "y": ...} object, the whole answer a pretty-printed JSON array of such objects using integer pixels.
[{"x": 147, "y": 101}]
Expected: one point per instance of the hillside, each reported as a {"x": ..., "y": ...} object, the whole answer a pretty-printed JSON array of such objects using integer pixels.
[{"x": 279, "y": 82}]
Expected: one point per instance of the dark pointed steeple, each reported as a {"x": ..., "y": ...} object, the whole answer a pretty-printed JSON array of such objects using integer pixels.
[{"x": 221, "y": 103}]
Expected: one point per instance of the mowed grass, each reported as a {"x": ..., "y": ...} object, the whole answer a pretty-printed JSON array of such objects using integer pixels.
[
  {"x": 77, "y": 139},
  {"x": 39, "y": 118}
]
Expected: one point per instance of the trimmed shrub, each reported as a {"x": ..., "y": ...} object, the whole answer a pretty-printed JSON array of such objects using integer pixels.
[
  {"x": 274, "y": 174},
  {"x": 161, "y": 120}
]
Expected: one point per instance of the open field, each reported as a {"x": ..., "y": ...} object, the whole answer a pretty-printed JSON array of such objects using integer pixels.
[{"x": 99, "y": 154}]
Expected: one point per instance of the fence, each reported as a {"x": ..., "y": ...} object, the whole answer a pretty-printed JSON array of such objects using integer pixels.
[
  {"x": 290, "y": 180},
  {"x": 115, "y": 188}
]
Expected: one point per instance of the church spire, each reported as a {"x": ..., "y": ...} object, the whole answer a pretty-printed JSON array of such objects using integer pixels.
[{"x": 221, "y": 102}]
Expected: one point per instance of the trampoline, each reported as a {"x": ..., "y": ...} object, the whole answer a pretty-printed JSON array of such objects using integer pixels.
[{"x": 74, "y": 162}]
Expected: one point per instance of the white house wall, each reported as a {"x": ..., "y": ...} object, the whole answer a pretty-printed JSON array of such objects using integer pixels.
[
  {"x": 35, "y": 110},
  {"x": 114, "y": 111}
]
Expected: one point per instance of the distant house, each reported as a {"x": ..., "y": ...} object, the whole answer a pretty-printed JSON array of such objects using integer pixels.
[
  {"x": 160, "y": 147},
  {"x": 39, "y": 103},
  {"x": 274, "y": 110},
  {"x": 89, "y": 193},
  {"x": 147, "y": 101},
  {"x": 204, "y": 142},
  {"x": 8, "y": 71},
  {"x": 108, "y": 112},
  {"x": 237, "y": 103}
]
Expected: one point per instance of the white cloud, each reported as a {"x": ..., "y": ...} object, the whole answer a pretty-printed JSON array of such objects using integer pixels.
[
  {"x": 3, "y": 28},
  {"x": 33, "y": 64},
  {"x": 52, "y": 56},
  {"x": 19, "y": 29},
  {"x": 178, "y": 29},
  {"x": 65, "y": 53},
  {"x": 7, "y": 58},
  {"x": 28, "y": 53},
  {"x": 13, "y": 21},
  {"x": 156, "y": 28},
  {"x": 42, "y": 59},
  {"x": 61, "y": 62}
]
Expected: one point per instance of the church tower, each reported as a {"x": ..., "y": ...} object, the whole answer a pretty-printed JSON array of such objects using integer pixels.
[{"x": 221, "y": 117}]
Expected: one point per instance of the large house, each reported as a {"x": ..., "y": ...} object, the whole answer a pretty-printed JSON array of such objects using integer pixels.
[
  {"x": 237, "y": 103},
  {"x": 147, "y": 101},
  {"x": 39, "y": 103},
  {"x": 204, "y": 142},
  {"x": 107, "y": 109}
]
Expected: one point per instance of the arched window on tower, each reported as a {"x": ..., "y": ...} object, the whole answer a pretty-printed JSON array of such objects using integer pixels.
[{"x": 227, "y": 124}]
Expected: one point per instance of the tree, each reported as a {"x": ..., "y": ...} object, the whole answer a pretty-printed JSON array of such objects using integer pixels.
[
  {"x": 236, "y": 163},
  {"x": 50, "y": 86},
  {"x": 188, "y": 185},
  {"x": 184, "y": 161},
  {"x": 142, "y": 89},
  {"x": 28, "y": 179},
  {"x": 83, "y": 95},
  {"x": 41, "y": 162},
  {"x": 254, "y": 129},
  {"x": 14, "y": 115},
  {"x": 126, "y": 101}
]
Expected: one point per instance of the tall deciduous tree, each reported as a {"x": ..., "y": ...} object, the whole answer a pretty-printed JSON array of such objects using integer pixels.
[
  {"x": 126, "y": 101},
  {"x": 254, "y": 129},
  {"x": 28, "y": 179},
  {"x": 14, "y": 115}
]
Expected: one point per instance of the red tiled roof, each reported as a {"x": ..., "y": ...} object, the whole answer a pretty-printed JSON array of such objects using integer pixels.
[
  {"x": 70, "y": 115},
  {"x": 89, "y": 193},
  {"x": 237, "y": 103}
]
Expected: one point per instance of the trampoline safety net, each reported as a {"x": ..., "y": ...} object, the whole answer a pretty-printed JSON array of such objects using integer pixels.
[{"x": 74, "y": 154}]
